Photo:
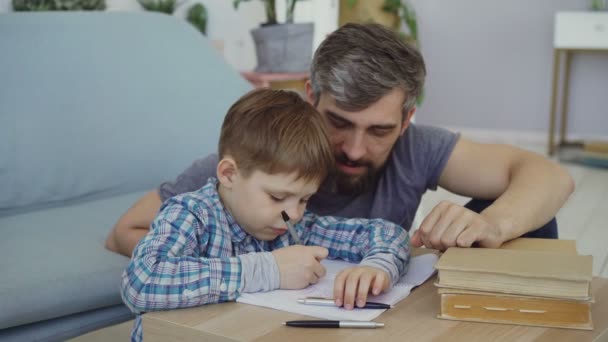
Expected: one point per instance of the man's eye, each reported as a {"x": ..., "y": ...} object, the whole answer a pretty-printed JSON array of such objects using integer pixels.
[
  {"x": 380, "y": 132},
  {"x": 304, "y": 200},
  {"x": 338, "y": 124}
]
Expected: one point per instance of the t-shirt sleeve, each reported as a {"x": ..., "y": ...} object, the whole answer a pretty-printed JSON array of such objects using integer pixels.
[
  {"x": 433, "y": 147},
  {"x": 192, "y": 179}
]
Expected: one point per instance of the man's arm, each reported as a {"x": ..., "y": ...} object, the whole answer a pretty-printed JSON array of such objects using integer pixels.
[
  {"x": 134, "y": 224},
  {"x": 529, "y": 190}
]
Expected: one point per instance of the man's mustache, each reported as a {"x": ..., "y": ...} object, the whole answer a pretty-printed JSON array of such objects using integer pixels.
[{"x": 343, "y": 159}]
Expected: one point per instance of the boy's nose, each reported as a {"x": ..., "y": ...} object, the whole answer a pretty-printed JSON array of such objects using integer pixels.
[{"x": 295, "y": 213}]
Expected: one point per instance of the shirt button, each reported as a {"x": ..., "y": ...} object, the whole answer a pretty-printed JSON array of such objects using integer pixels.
[{"x": 223, "y": 287}]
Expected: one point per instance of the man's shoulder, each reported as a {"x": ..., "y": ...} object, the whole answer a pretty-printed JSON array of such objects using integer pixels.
[
  {"x": 210, "y": 160},
  {"x": 423, "y": 139},
  {"x": 425, "y": 132},
  {"x": 193, "y": 178}
]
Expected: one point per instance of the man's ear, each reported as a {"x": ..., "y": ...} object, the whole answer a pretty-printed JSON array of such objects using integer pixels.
[
  {"x": 408, "y": 120},
  {"x": 226, "y": 172},
  {"x": 310, "y": 95}
]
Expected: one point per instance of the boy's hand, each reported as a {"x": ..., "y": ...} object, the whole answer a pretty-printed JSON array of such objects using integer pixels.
[
  {"x": 300, "y": 265},
  {"x": 353, "y": 284}
]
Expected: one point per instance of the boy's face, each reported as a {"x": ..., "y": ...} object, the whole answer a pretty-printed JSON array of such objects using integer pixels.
[{"x": 256, "y": 201}]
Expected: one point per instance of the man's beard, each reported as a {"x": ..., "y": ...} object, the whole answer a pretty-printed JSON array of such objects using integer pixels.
[{"x": 347, "y": 184}]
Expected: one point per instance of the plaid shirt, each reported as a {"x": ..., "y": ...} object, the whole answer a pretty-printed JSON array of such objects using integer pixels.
[{"x": 191, "y": 255}]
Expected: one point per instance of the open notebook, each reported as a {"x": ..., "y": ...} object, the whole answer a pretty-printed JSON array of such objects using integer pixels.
[{"x": 421, "y": 268}]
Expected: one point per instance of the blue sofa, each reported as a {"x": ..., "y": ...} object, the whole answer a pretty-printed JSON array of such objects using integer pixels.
[{"x": 95, "y": 109}]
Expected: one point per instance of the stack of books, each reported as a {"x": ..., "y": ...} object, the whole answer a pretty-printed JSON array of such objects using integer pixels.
[
  {"x": 528, "y": 282},
  {"x": 595, "y": 154},
  {"x": 592, "y": 153}
]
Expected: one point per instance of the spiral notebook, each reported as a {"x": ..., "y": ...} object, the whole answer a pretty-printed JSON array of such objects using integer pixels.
[{"x": 421, "y": 268}]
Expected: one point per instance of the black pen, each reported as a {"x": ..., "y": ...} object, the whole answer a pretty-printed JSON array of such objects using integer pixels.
[
  {"x": 334, "y": 324},
  {"x": 290, "y": 227},
  {"x": 330, "y": 302}
]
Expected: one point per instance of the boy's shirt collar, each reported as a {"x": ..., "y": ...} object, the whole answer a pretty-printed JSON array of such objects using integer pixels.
[{"x": 238, "y": 234}]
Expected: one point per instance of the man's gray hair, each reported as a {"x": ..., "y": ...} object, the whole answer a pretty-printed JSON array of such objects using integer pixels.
[{"x": 359, "y": 63}]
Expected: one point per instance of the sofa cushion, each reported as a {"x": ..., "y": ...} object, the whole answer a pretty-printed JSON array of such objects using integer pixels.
[
  {"x": 105, "y": 103},
  {"x": 63, "y": 328},
  {"x": 54, "y": 262}
]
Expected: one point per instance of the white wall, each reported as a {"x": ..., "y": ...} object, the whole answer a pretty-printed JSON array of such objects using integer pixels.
[
  {"x": 489, "y": 66},
  {"x": 232, "y": 27},
  {"x": 489, "y": 61}
]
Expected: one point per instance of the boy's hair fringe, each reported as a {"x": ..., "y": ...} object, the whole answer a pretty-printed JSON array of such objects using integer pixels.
[{"x": 276, "y": 131}]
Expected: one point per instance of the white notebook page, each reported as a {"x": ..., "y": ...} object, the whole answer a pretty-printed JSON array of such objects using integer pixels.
[{"x": 421, "y": 268}]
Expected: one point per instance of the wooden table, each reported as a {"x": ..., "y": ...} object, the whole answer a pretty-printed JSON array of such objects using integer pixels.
[{"x": 413, "y": 319}]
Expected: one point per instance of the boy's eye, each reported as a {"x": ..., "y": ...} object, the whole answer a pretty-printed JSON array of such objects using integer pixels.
[{"x": 276, "y": 199}]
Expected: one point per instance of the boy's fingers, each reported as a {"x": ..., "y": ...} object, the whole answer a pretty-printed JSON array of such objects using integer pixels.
[
  {"x": 319, "y": 270},
  {"x": 320, "y": 253},
  {"x": 380, "y": 283},
  {"x": 364, "y": 287},
  {"x": 350, "y": 290},
  {"x": 339, "y": 288},
  {"x": 313, "y": 278}
]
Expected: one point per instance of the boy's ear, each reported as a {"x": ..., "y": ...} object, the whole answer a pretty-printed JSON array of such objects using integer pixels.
[{"x": 226, "y": 172}]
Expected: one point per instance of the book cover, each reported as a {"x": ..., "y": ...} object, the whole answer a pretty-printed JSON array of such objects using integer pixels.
[{"x": 512, "y": 309}]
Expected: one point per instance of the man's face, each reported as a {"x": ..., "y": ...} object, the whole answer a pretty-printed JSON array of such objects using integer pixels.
[
  {"x": 363, "y": 140},
  {"x": 259, "y": 199}
]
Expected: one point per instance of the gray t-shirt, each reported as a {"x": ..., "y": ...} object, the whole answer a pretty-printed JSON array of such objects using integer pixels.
[{"x": 415, "y": 164}]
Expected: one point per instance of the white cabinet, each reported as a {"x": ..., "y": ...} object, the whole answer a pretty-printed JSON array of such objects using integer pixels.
[
  {"x": 581, "y": 30},
  {"x": 573, "y": 32}
]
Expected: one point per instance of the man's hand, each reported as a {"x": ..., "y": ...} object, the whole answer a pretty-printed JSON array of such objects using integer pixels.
[
  {"x": 300, "y": 265},
  {"x": 452, "y": 225},
  {"x": 355, "y": 283}
]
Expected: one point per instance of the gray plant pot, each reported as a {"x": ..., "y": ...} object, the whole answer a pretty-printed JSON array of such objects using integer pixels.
[{"x": 283, "y": 47}]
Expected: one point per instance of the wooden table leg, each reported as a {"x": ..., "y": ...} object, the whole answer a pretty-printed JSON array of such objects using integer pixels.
[
  {"x": 565, "y": 94},
  {"x": 554, "y": 90}
]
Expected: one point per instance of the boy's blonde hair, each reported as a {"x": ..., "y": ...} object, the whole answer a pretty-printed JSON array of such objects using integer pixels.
[{"x": 276, "y": 131}]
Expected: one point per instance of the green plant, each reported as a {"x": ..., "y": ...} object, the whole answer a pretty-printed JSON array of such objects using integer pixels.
[
  {"x": 598, "y": 5},
  {"x": 197, "y": 16},
  {"x": 163, "y": 6},
  {"x": 404, "y": 12},
  {"x": 59, "y": 5},
  {"x": 271, "y": 11}
]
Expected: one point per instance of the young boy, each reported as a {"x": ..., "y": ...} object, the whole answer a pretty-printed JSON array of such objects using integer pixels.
[{"x": 228, "y": 237}]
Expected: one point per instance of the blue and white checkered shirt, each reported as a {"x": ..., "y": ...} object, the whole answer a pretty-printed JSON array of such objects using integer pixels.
[{"x": 195, "y": 253}]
